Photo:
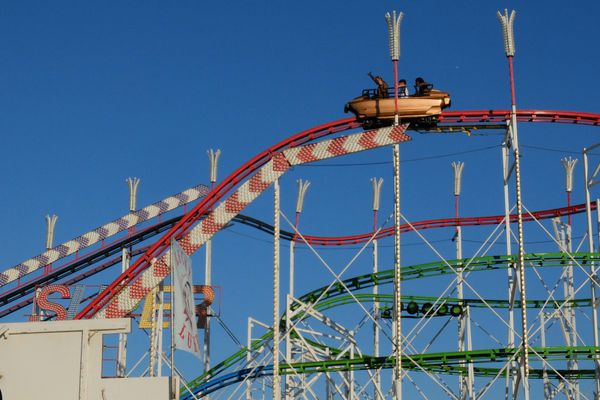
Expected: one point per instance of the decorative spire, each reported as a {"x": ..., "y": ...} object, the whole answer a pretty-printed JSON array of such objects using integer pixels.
[
  {"x": 377, "y": 183},
  {"x": 302, "y": 188},
  {"x": 50, "y": 223},
  {"x": 213, "y": 156},
  {"x": 507, "y": 21},
  {"x": 394, "y": 22},
  {"x": 569, "y": 165},
  {"x": 133, "y": 187},
  {"x": 457, "y": 166}
]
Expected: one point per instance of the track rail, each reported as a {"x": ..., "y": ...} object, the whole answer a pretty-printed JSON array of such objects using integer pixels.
[
  {"x": 443, "y": 223},
  {"x": 100, "y": 234},
  {"x": 447, "y": 362},
  {"x": 551, "y": 116}
]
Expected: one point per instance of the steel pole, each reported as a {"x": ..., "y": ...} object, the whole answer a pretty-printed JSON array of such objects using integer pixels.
[
  {"x": 510, "y": 377},
  {"x": 288, "y": 322},
  {"x": 396, "y": 118},
  {"x": 521, "y": 265},
  {"x": 213, "y": 158},
  {"x": 463, "y": 380},
  {"x": 249, "y": 358},
  {"x": 470, "y": 368},
  {"x": 573, "y": 364},
  {"x": 547, "y": 385},
  {"x": 598, "y": 219},
  {"x": 152, "y": 361},
  {"x": 397, "y": 332},
  {"x": 593, "y": 281},
  {"x": 276, "y": 229},
  {"x": 174, "y": 393},
  {"x": 207, "y": 282},
  {"x": 122, "y": 352},
  {"x": 376, "y": 184}
]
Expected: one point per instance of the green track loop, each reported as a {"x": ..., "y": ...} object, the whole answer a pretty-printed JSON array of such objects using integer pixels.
[{"x": 336, "y": 295}]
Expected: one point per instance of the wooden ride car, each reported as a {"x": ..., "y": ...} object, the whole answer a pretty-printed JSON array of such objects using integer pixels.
[{"x": 375, "y": 109}]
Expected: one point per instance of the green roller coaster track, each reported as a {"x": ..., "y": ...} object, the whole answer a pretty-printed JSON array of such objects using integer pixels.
[
  {"x": 448, "y": 362},
  {"x": 445, "y": 362}
]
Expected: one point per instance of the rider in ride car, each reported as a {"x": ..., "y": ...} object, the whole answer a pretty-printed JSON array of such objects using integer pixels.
[
  {"x": 402, "y": 89},
  {"x": 382, "y": 86},
  {"x": 422, "y": 88}
]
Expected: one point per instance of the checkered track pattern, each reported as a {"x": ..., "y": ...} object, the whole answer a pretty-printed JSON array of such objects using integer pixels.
[{"x": 101, "y": 233}]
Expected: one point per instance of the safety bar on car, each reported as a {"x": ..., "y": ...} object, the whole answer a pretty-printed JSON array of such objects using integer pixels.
[{"x": 374, "y": 93}]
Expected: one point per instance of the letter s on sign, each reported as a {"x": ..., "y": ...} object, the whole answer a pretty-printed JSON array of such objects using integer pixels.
[{"x": 45, "y": 304}]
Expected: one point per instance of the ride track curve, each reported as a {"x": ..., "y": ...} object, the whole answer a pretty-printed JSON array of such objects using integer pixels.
[
  {"x": 110, "y": 306},
  {"x": 446, "y": 363},
  {"x": 111, "y": 249},
  {"x": 88, "y": 260},
  {"x": 336, "y": 296}
]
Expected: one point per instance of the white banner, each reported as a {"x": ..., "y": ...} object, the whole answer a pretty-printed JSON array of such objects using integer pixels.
[{"x": 186, "y": 334}]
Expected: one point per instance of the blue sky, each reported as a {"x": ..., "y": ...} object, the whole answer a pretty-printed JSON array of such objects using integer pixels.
[{"x": 94, "y": 93}]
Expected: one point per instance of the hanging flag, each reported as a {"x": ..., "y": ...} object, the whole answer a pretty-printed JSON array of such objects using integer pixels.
[{"x": 186, "y": 334}]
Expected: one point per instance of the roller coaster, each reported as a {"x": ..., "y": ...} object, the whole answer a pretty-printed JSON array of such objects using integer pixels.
[
  {"x": 324, "y": 356},
  {"x": 511, "y": 323}
]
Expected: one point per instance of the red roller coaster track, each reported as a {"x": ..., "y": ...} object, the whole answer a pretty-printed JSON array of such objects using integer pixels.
[
  {"x": 443, "y": 223},
  {"x": 237, "y": 177},
  {"x": 484, "y": 116}
]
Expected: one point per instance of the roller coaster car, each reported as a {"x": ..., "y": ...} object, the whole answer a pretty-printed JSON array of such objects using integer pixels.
[{"x": 375, "y": 109}]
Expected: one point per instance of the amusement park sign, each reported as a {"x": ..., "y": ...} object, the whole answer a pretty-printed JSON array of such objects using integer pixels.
[
  {"x": 66, "y": 305},
  {"x": 186, "y": 334}
]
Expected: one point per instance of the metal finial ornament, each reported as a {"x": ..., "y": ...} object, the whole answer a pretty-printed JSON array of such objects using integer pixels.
[
  {"x": 377, "y": 183},
  {"x": 569, "y": 165},
  {"x": 507, "y": 22},
  {"x": 50, "y": 223},
  {"x": 302, "y": 188},
  {"x": 133, "y": 187},
  {"x": 393, "y": 23},
  {"x": 457, "y": 166},
  {"x": 213, "y": 157}
]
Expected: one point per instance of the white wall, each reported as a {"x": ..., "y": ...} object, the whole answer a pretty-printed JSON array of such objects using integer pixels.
[{"x": 62, "y": 360}]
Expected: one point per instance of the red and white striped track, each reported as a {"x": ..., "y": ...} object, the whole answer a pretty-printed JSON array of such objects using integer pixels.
[
  {"x": 128, "y": 298},
  {"x": 127, "y": 283}
]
